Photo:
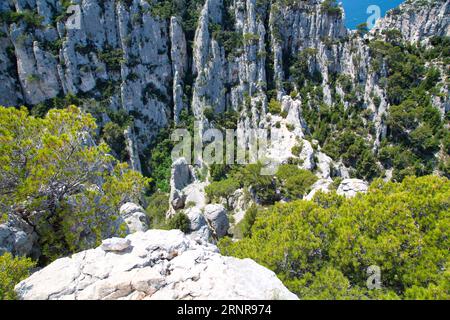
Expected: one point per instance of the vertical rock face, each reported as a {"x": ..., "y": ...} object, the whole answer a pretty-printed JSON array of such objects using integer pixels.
[
  {"x": 208, "y": 64},
  {"x": 301, "y": 26},
  {"x": 180, "y": 64},
  {"x": 10, "y": 90},
  {"x": 119, "y": 56},
  {"x": 236, "y": 56},
  {"x": 418, "y": 21}
]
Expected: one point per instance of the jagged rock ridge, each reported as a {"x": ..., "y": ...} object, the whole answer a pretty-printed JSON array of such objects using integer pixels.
[
  {"x": 152, "y": 265},
  {"x": 127, "y": 58}
]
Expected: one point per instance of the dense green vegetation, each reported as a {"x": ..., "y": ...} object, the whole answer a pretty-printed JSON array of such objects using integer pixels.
[
  {"x": 112, "y": 58},
  {"x": 415, "y": 127},
  {"x": 289, "y": 183},
  {"x": 187, "y": 10},
  {"x": 222, "y": 189},
  {"x": 321, "y": 249},
  {"x": 12, "y": 271},
  {"x": 158, "y": 205},
  {"x": 244, "y": 228},
  {"x": 274, "y": 106},
  {"x": 31, "y": 18},
  {"x": 179, "y": 221},
  {"x": 53, "y": 176},
  {"x": 158, "y": 162},
  {"x": 332, "y": 8},
  {"x": 293, "y": 182},
  {"x": 263, "y": 186}
]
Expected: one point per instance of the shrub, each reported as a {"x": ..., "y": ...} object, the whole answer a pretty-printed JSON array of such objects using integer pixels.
[
  {"x": 160, "y": 161},
  {"x": 222, "y": 189},
  {"x": 293, "y": 181},
  {"x": 31, "y": 18},
  {"x": 218, "y": 171},
  {"x": 322, "y": 249},
  {"x": 331, "y": 8},
  {"x": 12, "y": 271},
  {"x": 163, "y": 9},
  {"x": 274, "y": 106},
  {"x": 297, "y": 149},
  {"x": 112, "y": 58},
  {"x": 65, "y": 186},
  {"x": 250, "y": 38},
  {"x": 246, "y": 224},
  {"x": 362, "y": 28},
  {"x": 113, "y": 135},
  {"x": 230, "y": 40},
  {"x": 158, "y": 205},
  {"x": 263, "y": 186},
  {"x": 180, "y": 221}
]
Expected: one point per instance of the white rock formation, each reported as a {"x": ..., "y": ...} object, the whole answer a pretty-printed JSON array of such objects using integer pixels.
[
  {"x": 179, "y": 62},
  {"x": 156, "y": 265},
  {"x": 18, "y": 238},
  {"x": 418, "y": 20},
  {"x": 350, "y": 187},
  {"x": 239, "y": 203},
  {"x": 181, "y": 177},
  {"x": 216, "y": 217},
  {"x": 115, "y": 244},
  {"x": 135, "y": 217},
  {"x": 200, "y": 231},
  {"x": 320, "y": 185},
  {"x": 195, "y": 194}
]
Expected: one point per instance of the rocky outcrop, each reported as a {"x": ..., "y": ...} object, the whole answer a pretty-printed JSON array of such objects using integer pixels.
[
  {"x": 135, "y": 217},
  {"x": 181, "y": 177},
  {"x": 239, "y": 203},
  {"x": 216, "y": 217},
  {"x": 188, "y": 195},
  {"x": 200, "y": 231},
  {"x": 179, "y": 63},
  {"x": 115, "y": 244},
  {"x": 18, "y": 238},
  {"x": 152, "y": 265},
  {"x": 350, "y": 187},
  {"x": 418, "y": 20},
  {"x": 118, "y": 55},
  {"x": 320, "y": 185}
]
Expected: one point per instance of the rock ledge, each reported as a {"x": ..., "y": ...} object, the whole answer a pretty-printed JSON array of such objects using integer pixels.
[{"x": 156, "y": 265}]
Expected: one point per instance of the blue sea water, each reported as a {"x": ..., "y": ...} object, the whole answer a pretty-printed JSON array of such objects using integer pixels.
[{"x": 356, "y": 10}]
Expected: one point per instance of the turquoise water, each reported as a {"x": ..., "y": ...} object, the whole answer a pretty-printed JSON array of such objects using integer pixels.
[{"x": 356, "y": 10}]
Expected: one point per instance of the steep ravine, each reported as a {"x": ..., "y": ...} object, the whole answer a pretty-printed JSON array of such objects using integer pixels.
[{"x": 130, "y": 56}]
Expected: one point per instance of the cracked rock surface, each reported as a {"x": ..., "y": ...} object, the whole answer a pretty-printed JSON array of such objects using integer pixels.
[{"x": 156, "y": 265}]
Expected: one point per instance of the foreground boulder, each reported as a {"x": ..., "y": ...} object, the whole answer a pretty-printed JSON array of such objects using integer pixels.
[{"x": 153, "y": 265}]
